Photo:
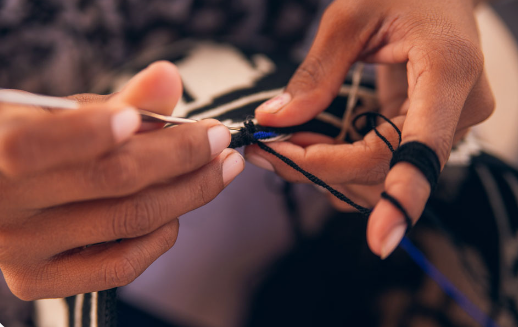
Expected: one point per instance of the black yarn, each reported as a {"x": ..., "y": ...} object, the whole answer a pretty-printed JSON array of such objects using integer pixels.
[
  {"x": 398, "y": 205},
  {"x": 422, "y": 157},
  {"x": 107, "y": 308},
  {"x": 245, "y": 136},
  {"x": 371, "y": 118},
  {"x": 415, "y": 153},
  {"x": 428, "y": 163},
  {"x": 314, "y": 179}
]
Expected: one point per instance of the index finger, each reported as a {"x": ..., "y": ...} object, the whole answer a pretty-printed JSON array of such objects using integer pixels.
[
  {"x": 441, "y": 77},
  {"x": 362, "y": 162},
  {"x": 30, "y": 143}
]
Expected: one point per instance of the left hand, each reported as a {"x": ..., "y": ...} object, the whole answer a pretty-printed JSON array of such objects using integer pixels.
[
  {"x": 431, "y": 85},
  {"x": 72, "y": 179}
]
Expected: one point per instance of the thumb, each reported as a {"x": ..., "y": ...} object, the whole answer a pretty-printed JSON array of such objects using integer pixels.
[
  {"x": 340, "y": 39},
  {"x": 157, "y": 88}
]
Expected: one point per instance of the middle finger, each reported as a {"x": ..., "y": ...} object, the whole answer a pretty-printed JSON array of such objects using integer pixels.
[
  {"x": 144, "y": 160},
  {"x": 76, "y": 225}
]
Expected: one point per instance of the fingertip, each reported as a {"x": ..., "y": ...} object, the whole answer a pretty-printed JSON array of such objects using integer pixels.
[
  {"x": 157, "y": 88},
  {"x": 410, "y": 190},
  {"x": 166, "y": 75},
  {"x": 275, "y": 104},
  {"x": 218, "y": 134},
  {"x": 124, "y": 123},
  {"x": 233, "y": 165},
  {"x": 298, "y": 110},
  {"x": 384, "y": 229},
  {"x": 210, "y": 122},
  {"x": 219, "y": 138},
  {"x": 259, "y": 161},
  {"x": 268, "y": 113}
]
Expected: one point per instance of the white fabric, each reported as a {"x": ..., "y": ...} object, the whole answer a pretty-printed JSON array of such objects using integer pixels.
[{"x": 51, "y": 313}]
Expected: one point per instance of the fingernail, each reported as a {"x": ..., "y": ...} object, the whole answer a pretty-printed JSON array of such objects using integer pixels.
[
  {"x": 275, "y": 104},
  {"x": 232, "y": 166},
  {"x": 259, "y": 162},
  {"x": 125, "y": 123},
  {"x": 219, "y": 139},
  {"x": 392, "y": 240}
]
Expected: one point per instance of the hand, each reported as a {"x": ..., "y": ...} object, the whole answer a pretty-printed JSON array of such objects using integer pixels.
[
  {"x": 430, "y": 83},
  {"x": 76, "y": 178}
]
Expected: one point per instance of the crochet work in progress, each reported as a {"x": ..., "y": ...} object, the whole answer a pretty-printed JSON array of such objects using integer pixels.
[{"x": 349, "y": 117}]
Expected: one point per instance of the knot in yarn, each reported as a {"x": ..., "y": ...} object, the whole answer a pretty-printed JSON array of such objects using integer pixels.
[{"x": 245, "y": 136}]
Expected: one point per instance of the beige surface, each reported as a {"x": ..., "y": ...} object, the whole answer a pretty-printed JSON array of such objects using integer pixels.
[{"x": 500, "y": 131}]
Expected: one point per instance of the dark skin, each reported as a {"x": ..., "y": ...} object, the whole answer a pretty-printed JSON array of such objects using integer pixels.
[
  {"x": 431, "y": 84},
  {"x": 72, "y": 178}
]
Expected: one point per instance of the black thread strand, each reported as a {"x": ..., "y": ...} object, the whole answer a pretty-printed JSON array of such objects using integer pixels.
[
  {"x": 398, "y": 205},
  {"x": 373, "y": 126},
  {"x": 246, "y": 136},
  {"x": 420, "y": 156},
  {"x": 314, "y": 179},
  {"x": 373, "y": 123}
]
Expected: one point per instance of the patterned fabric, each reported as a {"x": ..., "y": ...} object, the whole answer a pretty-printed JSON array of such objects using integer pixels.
[
  {"x": 97, "y": 309},
  {"x": 62, "y": 47}
]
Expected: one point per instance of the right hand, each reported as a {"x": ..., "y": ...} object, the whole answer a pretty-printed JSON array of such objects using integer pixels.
[
  {"x": 430, "y": 84},
  {"x": 75, "y": 178}
]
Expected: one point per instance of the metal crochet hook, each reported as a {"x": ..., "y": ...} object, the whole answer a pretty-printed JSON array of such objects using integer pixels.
[{"x": 29, "y": 99}]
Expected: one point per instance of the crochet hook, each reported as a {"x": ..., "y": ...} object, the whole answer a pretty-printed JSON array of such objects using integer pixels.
[{"x": 30, "y": 99}]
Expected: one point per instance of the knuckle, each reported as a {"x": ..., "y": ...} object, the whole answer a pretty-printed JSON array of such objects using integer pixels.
[
  {"x": 442, "y": 145},
  {"x": 205, "y": 193},
  {"x": 121, "y": 272},
  {"x": 115, "y": 174},
  {"x": 487, "y": 106},
  {"x": 309, "y": 74},
  {"x": 201, "y": 191},
  {"x": 481, "y": 108},
  {"x": 136, "y": 216},
  {"x": 445, "y": 46},
  {"x": 190, "y": 157},
  {"x": 457, "y": 56},
  {"x": 467, "y": 55},
  {"x": 14, "y": 151},
  {"x": 343, "y": 13},
  {"x": 168, "y": 236},
  {"x": 171, "y": 234},
  {"x": 377, "y": 173}
]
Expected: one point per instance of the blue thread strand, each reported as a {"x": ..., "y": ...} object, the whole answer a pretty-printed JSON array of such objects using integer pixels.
[
  {"x": 446, "y": 285},
  {"x": 264, "y": 135}
]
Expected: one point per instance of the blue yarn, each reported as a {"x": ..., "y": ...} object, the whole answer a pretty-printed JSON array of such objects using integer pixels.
[
  {"x": 264, "y": 135},
  {"x": 446, "y": 285}
]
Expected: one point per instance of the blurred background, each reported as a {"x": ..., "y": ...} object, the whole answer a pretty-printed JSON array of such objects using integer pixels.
[{"x": 244, "y": 260}]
